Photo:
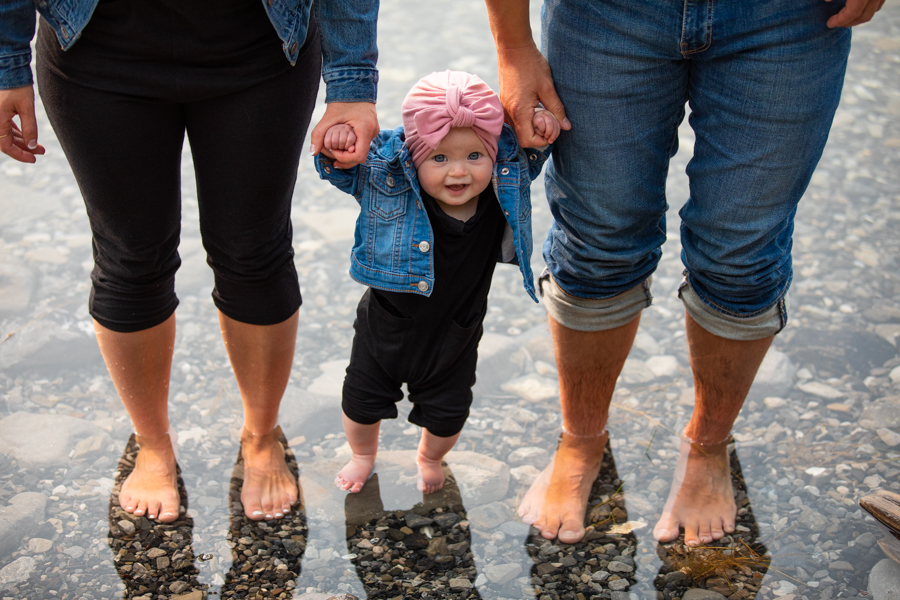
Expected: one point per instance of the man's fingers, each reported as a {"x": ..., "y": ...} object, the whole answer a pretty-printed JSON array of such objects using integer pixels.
[{"x": 855, "y": 12}]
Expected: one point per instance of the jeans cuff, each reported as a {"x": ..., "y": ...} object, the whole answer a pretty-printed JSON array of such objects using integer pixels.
[
  {"x": 755, "y": 327},
  {"x": 590, "y": 314}
]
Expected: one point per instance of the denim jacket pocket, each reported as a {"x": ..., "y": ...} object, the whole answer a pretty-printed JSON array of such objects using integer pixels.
[{"x": 389, "y": 193}]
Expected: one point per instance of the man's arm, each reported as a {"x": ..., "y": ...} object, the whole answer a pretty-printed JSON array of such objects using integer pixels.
[{"x": 525, "y": 79}]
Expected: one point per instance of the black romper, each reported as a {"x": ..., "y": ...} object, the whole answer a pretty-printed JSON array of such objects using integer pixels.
[{"x": 429, "y": 343}]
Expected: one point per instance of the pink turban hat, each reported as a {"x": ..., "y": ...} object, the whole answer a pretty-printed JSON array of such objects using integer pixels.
[{"x": 450, "y": 99}]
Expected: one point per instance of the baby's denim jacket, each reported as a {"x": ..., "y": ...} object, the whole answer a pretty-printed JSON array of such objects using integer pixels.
[{"x": 393, "y": 244}]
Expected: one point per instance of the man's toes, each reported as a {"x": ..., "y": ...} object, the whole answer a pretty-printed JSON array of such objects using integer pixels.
[
  {"x": 691, "y": 534},
  {"x": 716, "y": 531},
  {"x": 728, "y": 525},
  {"x": 571, "y": 532},
  {"x": 549, "y": 527}
]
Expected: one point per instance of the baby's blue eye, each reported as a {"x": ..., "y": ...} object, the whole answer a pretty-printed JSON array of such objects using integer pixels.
[
  {"x": 475, "y": 156},
  {"x": 439, "y": 158}
]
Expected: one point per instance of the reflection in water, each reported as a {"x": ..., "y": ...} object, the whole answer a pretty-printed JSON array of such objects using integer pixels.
[
  {"x": 601, "y": 563},
  {"x": 266, "y": 554},
  {"x": 424, "y": 552},
  {"x": 156, "y": 560},
  {"x": 153, "y": 559},
  {"x": 736, "y": 562}
]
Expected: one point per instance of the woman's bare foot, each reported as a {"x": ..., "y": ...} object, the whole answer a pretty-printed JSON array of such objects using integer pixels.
[
  {"x": 270, "y": 489},
  {"x": 355, "y": 473},
  {"x": 556, "y": 502},
  {"x": 701, "y": 499},
  {"x": 152, "y": 487},
  {"x": 430, "y": 474}
]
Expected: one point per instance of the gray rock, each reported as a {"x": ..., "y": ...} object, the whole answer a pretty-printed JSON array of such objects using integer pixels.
[
  {"x": 866, "y": 539},
  {"x": 460, "y": 583},
  {"x": 529, "y": 455},
  {"x": 775, "y": 375},
  {"x": 489, "y": 516},
  {"x": 39, "y": 545},
  {"x": 38, "y": 440},
  {"x": 20, "y": 519},
  {"x": 16, "y": 572},
  {"x": 884, "y": 580},
  {"x": 46, "y": 342},
  {"x": 698, "y": 594},
  {"x": 126, "y": 526},
  {"x": 515, "y": 528},
  {"x": 503, "y": 573},
  {"x": 75, "y": 552},
  {"x": 636, "y": 371},
  {"x": 618, "y": 585},
  {"x": 532, "y": 387},
  {"x": 619, "y": 567},
  {"x": 16, "y": 286},
  {"x": 883, "y": 413},
  {"x": 414, "y": 521}
]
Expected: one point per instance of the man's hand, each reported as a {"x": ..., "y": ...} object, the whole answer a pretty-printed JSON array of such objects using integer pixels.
[
  {"x": 526, "y": 84},
  {"x": 855, "y": 12},
  {"x": 19, "y": 143},
  {"x": 361, "y": 119}
]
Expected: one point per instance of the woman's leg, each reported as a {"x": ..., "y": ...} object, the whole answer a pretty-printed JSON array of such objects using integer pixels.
[
  {"x": 261, "y": 357},
  {"x": 246, "y": 148},
  {"x": 125, "y": 153},
  {"x": 139, "y": 364}
]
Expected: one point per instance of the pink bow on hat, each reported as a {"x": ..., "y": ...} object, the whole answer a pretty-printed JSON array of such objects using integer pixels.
[{"x": 449, "y": 99}]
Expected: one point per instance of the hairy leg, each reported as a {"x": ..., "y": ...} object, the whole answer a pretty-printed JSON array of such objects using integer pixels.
[
  {"x": 140, "y": 364},
  {"x": 261, "y": 357},
  {"x": 432, "y": 450},
  {"x": 363, "y": 440},
  {"x": 589, "y": 362},
  {"x": 702, "y": 499}
]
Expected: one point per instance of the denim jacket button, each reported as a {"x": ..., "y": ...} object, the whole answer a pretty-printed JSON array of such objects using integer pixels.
[
  {"x": 423, "y": 286},
  {"x": 294, "y": 47},
  {"x": 407, "y": 164},
  {"x": 390, "y": 181},
  {"x": 327, "y": 169},
  {"x": 424, "y": 246},
  {"x": 504, "y": 171},
  {"x": 532, "y": 156}
]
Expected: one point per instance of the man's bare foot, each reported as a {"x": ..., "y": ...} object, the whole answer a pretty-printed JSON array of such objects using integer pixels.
[
  {"x": 355, "y": 473},
  {"x": 430, "y": 474},
  {"x": 152, "y": 487},
  {"x": 269, "y": 488},
  {"x": 556, "y": 502},
  {"x": 702, "y": 498}
]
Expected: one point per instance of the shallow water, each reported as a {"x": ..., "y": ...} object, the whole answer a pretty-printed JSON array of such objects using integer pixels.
[{"x": 815, "y": 434}]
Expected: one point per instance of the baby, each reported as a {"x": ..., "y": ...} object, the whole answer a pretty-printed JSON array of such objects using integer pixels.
[{"x": 431, "y": 229}]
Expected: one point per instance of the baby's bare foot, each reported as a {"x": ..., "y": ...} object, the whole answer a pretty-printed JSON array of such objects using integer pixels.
[
  {"x": 355, "y": 473},
  {"x": 152, "y": 488},
  {"x": 701, "y": 499},
  {"x": 269, "y": 488},
  {"x": 430, "y": 475}
]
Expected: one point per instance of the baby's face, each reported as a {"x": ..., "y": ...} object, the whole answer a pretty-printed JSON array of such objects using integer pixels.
[{"x": 457, "y": 171}]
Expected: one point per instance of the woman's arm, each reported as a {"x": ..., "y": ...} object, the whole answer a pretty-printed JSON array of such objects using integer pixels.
[
  {"x": 17, "y": 26},
  {"x": 348, "y": 29},
  {"x": 525, "y": 79}
]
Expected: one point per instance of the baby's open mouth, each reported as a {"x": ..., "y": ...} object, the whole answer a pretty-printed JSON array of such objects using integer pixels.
[{"x": 457, "y": 187}]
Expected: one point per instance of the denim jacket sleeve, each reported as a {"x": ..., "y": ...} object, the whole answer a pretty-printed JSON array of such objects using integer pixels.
[
  {"x": 17, "y": 26},
  {"x": 536, "y": 159},
  {"x": 348, "y": 31},
  {"x": 346, "y": 180}
]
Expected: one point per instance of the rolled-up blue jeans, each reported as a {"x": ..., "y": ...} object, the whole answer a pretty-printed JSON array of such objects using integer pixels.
[{"x": 763, "y": 80}]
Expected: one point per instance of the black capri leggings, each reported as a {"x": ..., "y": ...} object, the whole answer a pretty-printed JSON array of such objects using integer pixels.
[{"x": 125, "y": 152}]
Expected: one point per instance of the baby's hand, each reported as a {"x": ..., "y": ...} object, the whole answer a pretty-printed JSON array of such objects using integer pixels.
[
  {"x": 545, "y": 125},
  {"x": 340, "y": 142}
]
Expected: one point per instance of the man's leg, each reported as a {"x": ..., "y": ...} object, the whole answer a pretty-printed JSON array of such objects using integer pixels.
[
  {"x": 589, "y": 362},
  {"x": 702, "y": 499}
]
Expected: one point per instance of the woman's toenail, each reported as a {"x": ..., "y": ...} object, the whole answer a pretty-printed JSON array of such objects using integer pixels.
[
  {"x": 278, "y": 515},
  {"x": 268, "y": 516},
  {"x": 256, "y": 513}
]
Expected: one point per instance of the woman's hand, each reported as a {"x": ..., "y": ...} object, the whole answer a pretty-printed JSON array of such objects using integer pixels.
[
  {"x": 360, "y": 117},
  {"x": 19, "y": 141}
]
